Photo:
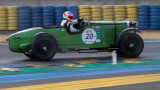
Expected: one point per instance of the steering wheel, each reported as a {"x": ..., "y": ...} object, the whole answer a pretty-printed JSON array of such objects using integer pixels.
[{"x": 81, "y": 24}]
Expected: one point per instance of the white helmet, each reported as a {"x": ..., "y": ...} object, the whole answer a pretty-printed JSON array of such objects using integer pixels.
[{"x": 68, "y": 15}]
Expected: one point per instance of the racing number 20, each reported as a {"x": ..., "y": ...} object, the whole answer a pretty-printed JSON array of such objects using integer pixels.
[{"x": 89, "y": 36}]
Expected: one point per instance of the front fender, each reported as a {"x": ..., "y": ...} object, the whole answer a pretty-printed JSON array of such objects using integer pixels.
[{"x": 41, "y": 34}]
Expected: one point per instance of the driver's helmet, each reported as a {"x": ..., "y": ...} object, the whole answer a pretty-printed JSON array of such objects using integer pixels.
[{"x": 68, "y": 15}]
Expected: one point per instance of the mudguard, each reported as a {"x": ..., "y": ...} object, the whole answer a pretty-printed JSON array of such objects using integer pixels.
[
  {"x": 47, "y": 34},
  {"x": 123, "y": 32}
]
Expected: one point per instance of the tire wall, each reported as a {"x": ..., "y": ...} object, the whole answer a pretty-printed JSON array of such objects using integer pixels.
[
  {"x": 154, "y": 17},
  {"x": 24, "y": 17},
  {"x": 48, "y": 15},
  {"x": 131, "y": 12},
  {"x": 59, "y": 10},
  {"x": 37, "y": 16},
  {"x": 107, "y": 12},
  {"x": 12, "y": 18},
  {"x": 3, "y": 18},
  {"x": 85, "y": 11},
  {"x": 96, "y": 13},
  {"x": 119, "y": 12},
  {"x": 144, "y": 16}
]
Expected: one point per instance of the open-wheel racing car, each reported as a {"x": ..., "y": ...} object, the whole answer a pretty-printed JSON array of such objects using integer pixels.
[{"x": 43, "y": 42}]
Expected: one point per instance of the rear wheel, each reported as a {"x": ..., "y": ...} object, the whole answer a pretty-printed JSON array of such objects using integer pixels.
[
  {"x": 131, "y": 45},
  {"x": 44, "y": 48}
]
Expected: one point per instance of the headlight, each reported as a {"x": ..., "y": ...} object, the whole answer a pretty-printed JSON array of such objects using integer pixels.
[{"x": 132, "y": 24}]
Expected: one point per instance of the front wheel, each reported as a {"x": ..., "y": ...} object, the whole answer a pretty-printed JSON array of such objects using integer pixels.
[
  {"x": 44, "y": 48},
  {"x": 29, "y": 55},
  {"x": 131, "y": 45}
]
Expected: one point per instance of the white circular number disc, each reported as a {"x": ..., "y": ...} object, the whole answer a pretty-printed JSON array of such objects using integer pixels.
[{"x": 89, "y": 36}]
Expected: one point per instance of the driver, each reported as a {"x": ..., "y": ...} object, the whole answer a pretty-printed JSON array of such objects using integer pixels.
[{"x": 69, "y": 22}]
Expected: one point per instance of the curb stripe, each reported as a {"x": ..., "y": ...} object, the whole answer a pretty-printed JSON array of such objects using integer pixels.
[
  {"x": 26, "y": 77},
  {"x": 92, "y": 83},
  {"x": 151, "y": 40}
]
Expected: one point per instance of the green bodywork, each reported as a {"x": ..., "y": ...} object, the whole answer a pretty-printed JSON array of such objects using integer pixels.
[{"x": 22, "y": 41}]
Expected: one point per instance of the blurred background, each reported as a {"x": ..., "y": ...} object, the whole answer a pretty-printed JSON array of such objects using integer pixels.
[{"x": 24, "y": 14}]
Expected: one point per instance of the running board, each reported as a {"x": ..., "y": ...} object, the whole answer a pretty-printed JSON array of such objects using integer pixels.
[
  {"x": 113, "y": 48},
  {"x": 88, "y": 51}
]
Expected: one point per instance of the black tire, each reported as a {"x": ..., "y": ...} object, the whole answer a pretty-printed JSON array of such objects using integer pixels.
[
  {"x": 44, "y": 48},
  {"x": 131, "y": 45},
  {"x": 29, "y": 56},
  {"x": 119, "y": 54}
]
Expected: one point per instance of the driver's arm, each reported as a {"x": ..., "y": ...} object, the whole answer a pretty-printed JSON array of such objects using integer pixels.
[
  {"x": 77, "y": 21},
  {"x": 63, "y": 22},
  {"x": 72, "y": 29},
  {"x": 74, "y": 22}
]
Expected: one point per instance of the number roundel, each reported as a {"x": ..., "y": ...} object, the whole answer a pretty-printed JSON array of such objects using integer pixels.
[{"x": 89, "y": 36}]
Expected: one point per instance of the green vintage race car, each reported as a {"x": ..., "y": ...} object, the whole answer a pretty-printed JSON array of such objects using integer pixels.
[{"x": 43, "y": 42}]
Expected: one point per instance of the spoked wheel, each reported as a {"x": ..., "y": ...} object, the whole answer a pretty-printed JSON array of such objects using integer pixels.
[
  {"x": 131, "y": 45},
  {"x": 44, "y": 48}
]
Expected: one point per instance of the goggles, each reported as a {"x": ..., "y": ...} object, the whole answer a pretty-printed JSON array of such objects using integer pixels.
[{"x": 70, "y": 17}]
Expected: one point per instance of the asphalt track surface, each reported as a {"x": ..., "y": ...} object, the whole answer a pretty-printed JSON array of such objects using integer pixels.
[{"x": 151, "y": 51}]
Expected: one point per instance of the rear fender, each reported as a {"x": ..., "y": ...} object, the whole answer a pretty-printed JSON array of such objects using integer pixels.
[{"x": 125, "y": 31}]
